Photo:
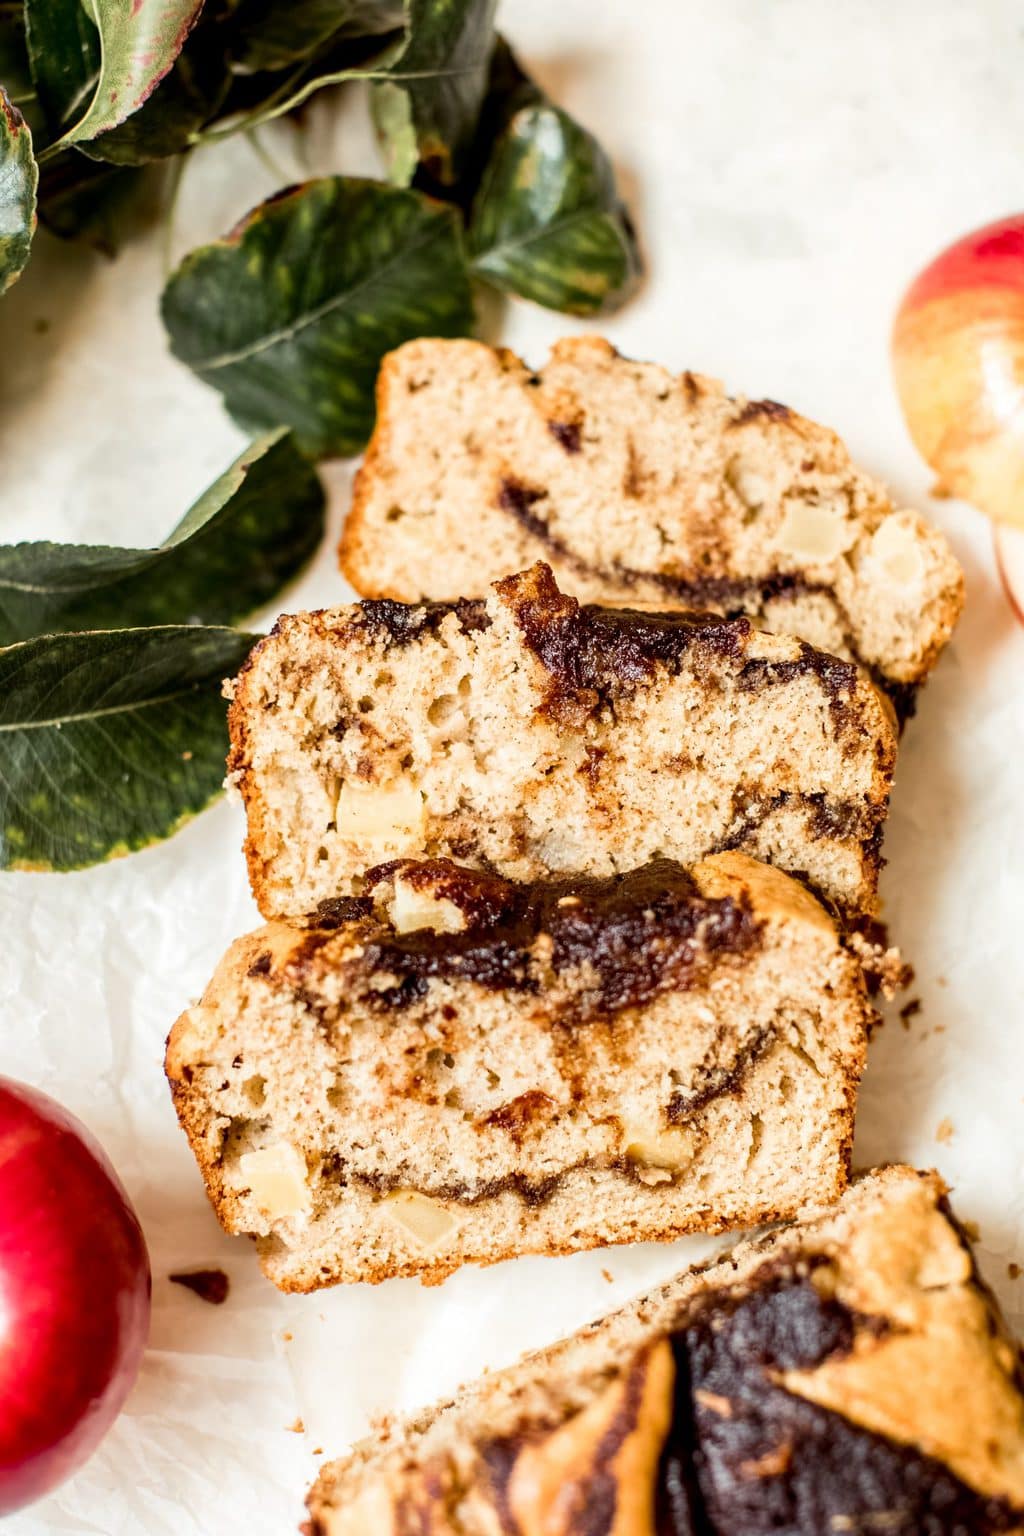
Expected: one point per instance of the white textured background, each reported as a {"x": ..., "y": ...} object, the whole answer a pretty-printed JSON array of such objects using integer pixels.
[{"x": 791, "y": 165}]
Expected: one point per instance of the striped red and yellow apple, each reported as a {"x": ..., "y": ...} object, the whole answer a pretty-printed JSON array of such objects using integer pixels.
[{"x": 958, "y": 360}]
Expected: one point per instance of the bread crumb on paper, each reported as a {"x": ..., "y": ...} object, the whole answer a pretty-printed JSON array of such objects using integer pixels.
[
  {"x": 910, "y": 1011},
  {"x": 210, "y": 1285}
]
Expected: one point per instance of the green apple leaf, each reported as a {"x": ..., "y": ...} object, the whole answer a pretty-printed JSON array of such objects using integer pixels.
[
  {"x": 233, "y": 551},
  {"x": 258, "y": 96},
  {"x": 18, "y": 179},
  {"x": 64, "y": 54},
  {"x": 109, "y": 741},
  {"x": 96, "y": 61},
  {"x": 427, "y": 106},
  {"x": 168, "y": 121},
  {"x": 547, "y": 222},
  {"x": 431, "y": 77},
  {"x": 290, "y": 315},
  {"x": 273, "y": 34}
]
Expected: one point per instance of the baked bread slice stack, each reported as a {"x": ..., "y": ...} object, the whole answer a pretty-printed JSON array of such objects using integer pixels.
[
  {"x": 638, "y": 485},
  {"x": 531, "y": 735},
  {"x": 847, "y": 1375},
  {"x": 454, "y": 1069}
]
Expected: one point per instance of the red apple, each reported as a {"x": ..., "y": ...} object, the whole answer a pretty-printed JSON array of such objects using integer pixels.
[
  {"x": 74, "y": 1294},
  {"x": 958, "y": 360}
]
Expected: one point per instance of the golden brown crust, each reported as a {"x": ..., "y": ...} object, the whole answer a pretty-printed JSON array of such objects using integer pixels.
[
  {"x": 369, "y": 583},
  {"x": 617, "y": 1438},
  {"x": 852, "y": 1366}
]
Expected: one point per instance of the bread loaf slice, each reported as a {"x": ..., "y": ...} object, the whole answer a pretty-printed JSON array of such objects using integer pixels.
[
  {"x": 529, "y": 735},
  {"x": 454, "y": 1069},
  {"x": 638, "y": 485},
  {"x": 846, "y": 1375}
]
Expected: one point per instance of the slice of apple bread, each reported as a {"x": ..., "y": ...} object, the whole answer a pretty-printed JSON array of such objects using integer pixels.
[
  {"x": 638, "y": 485},
  {"x": 848, "y": 1374},
  {"x": 529, "y": 734},
  {"x": 455, "y": 1069}
]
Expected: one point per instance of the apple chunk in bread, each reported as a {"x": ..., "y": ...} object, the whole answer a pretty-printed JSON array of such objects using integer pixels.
[
  {"x": 530, "y": 735},
  {"x": 453, "y": 1068}
]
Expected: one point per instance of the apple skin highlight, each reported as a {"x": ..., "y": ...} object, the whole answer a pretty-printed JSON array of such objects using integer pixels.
[
  {"x": 74, "y": 1295},
  {"x": 958, "y": 363}
]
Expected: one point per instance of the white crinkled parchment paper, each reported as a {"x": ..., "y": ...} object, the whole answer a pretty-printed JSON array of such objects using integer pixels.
[{"x": 791, "y": 166}]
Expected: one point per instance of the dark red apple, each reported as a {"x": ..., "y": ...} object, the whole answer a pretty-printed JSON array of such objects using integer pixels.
[{"x": 74, "y": 1294}]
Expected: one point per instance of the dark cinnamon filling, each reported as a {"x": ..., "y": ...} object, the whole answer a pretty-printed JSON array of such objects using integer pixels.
[
  {"x": 730, "y": 596},
  {"x": 744, "y": 1457},
  {"x": 719, "y": 1081},
  {"x": 402, "y": 623},
  {"x": 594, "y": 652},
  {"x": 633, "y": 935}
]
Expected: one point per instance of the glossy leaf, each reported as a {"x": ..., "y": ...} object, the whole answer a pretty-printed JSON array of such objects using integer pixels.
[
  {"x": 245, "y": 537},
  {"x": 427, "y": 108},
  {"x": 431, "y": 80},
  {"x": 96, "y": 61},
  {"x": 109, "y": 740},
  {"x": 18, "y": 179},
  {"x": 509, "y": 88},
  {"x": 64, "y": 54},
  {"x": 290, "y": 315},
  {"x": 273, "y": 34},
  {"x": 258, "y": 97},
  {"x": 189, "y": 95},
  {"x": 547, "y": 222}
]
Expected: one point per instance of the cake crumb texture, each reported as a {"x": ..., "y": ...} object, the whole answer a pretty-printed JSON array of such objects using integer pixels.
[
  {"x": 637, "y": 485},
  {"x": 531, "y": 735},
  {"x": 453, "y": 1068}
]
